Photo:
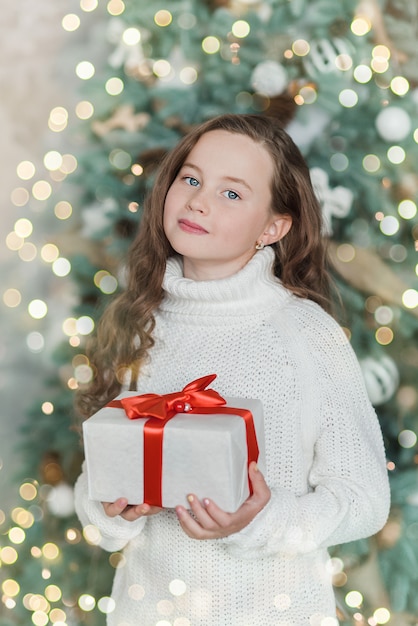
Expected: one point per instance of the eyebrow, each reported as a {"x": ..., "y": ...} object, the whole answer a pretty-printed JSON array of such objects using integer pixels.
[{"x": 232, "y": 179}]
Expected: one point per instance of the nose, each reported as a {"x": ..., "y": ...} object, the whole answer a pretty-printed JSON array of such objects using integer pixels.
[{"x": 198, "y": 201}]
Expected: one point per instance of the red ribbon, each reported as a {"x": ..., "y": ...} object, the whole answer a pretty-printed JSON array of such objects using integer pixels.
[{"x": 160, "y": 409}]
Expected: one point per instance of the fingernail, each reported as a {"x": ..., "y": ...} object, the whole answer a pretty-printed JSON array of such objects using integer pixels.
[
  {"x": 190, "y": 498},
  {"x": 206, "y": 501},
  {"x": 144, "y": 510},
  {"x": 255, "y": 467}
]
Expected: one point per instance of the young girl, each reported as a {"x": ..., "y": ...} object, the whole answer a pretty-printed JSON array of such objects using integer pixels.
[{"x": 227, "y": 275}]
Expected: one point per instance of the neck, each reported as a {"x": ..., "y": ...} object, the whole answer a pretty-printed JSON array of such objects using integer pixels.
[{"x": 216, "y": 270}]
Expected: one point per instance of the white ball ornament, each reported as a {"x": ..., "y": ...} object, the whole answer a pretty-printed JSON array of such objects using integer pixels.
[
  {"x": 60, "y": 500},
  {"x": 381, "y": 377},
  {"x": 393, "y": 123},
  {"x": 269, "y": 78}
]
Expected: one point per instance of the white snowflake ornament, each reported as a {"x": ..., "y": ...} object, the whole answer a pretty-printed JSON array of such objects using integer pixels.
[
  {"x": 98, "y": 217},
  {"x": 323, "y": 55},
  {"x": 335, "y": 202}
]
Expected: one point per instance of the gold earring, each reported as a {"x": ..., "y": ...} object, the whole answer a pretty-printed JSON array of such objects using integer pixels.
[{"x": 259, "y": 245}]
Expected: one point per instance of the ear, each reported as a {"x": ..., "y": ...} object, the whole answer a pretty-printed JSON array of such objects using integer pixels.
[{"x": 277, "y": 229}]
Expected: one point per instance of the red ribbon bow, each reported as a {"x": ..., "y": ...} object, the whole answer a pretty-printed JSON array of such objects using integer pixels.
[{"x": 194, "y": 398}]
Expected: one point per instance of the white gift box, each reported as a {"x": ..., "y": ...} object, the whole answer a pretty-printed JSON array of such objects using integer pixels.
[{"x": 202, "y": 454}]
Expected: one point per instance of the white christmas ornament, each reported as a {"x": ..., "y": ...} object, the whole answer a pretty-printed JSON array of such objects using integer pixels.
[
  {"x": 60, "y": 500},
  {"x": 335, "y": 202},
  {"x": 412, "y": 499},
  {"x": 305, "y": 131},
  {"x": 393, "y": 123},
  {"x": 269, "y": 78},
  {"x": 381, "y": 377}
]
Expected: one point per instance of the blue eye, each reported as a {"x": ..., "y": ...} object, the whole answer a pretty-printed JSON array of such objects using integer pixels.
[
  {"x": 231, "y": 195},
  {"x": 193, "y": 182}
]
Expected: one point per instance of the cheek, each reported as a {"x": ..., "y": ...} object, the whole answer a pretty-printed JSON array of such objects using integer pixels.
[
  {"x": 168, "y": 206},
  {"x": 173, "y": 200}
]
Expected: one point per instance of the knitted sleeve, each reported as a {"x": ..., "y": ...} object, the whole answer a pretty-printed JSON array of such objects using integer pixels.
[
  {"x": 348, "y": 490},
  {"x": 113, "y": 533}
]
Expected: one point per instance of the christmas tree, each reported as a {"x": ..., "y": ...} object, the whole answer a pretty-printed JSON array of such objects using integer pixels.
[{"x": 343, "y": 80}]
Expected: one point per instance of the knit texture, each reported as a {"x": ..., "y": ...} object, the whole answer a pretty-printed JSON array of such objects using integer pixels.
[{"x": 324, "y": 453}]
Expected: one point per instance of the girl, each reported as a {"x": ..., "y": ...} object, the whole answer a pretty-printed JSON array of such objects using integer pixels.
[{"x": 227, "y": 275}]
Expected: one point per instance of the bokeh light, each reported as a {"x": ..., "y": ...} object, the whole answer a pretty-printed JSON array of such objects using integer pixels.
[
  {"x": 58, "y": 119},
  {"x": 85, "y": 70},
  {"x": 163, "y": 18},
  {"x": 211, "y": 45},
  {"x": 35, "y": 342},
  {"x": 131, "y": 36},
  {"x": 12, "y": 298},
  {"x": 25, "y": 170},
  {"x": 399, "y": 85},
  {"x": 115, "y": 7},
  {"x": 240, "y": 29},
  {"x": 88, "y": 5},
  {"x": 37, "y": 309},
  {"x": 354, "y": 599},
  {"x": 86, "y": 602},
  {"x": 70, "y": 22},
  {"x": 84, "y": 110},
  {"x": 361, "y": 25}
]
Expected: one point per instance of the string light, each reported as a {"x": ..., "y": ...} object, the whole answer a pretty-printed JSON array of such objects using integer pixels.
[
  {"x": 131, "y": 36},
  {"x": 211, "y": 45},
  {"x": 71, "y": 22},
  {"x": 301, "y": 47},
  {"x": 25, "y": 170},
  {"x": 114, "y": 86},
  {"x": 115, "y": 7},
  {"x": 348, "y": 98},
  {"x": 12, "y": 298},
  {"x": 84, "y": 110},
  {"x": 19, "y": 196},
  {"x": 399, "y": 85},
  {"x": 362, "y": 74},
  {"x": 163, "y": 18},
  {"x": 63, "y": 210},
  {"x": 85, "y": 70},
  {"x": 240, "y": 29},
  {"x": 58, "y": 119}
]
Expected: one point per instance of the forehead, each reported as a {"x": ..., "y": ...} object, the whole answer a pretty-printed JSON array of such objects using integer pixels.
[{"x": 233, "y": 153}]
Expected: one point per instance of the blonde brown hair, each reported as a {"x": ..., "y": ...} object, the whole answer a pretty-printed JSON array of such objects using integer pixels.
[{"x": 125, "y": 333}]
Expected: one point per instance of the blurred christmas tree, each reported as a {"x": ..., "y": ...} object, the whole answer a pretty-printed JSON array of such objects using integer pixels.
[{"x": 343, "y": 79}]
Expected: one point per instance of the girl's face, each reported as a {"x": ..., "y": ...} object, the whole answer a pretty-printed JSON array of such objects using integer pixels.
[{"x": 219, "y": 206}]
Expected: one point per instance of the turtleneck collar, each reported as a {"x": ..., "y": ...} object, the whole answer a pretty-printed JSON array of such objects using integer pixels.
[{"x": 254, "y": 288}]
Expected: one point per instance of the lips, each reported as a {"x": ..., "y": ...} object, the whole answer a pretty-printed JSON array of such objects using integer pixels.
[{"x": 192, "y": 227}]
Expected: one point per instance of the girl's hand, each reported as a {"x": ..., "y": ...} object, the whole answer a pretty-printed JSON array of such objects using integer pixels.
[
  {"x": 211, "y": 522},
  {"x": 128, "y": 511}
]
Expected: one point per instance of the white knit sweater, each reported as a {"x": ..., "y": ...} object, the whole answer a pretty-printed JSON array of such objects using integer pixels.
[{"x": 325, "y": 460}]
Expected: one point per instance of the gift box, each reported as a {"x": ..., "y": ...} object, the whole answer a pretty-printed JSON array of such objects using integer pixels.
[{"x": 158, "y": 449}]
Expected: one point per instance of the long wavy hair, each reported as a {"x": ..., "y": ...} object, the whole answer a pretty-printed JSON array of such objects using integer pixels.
[{"x": 124, "y": 334}]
